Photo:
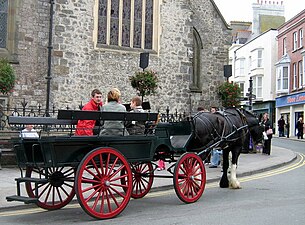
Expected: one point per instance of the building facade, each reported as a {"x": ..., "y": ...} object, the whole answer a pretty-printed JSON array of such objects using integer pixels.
[
  {"x": 255, "y": 60},
  {"x": 290, "y": 69},
  {"x": 97, "y": 43}
]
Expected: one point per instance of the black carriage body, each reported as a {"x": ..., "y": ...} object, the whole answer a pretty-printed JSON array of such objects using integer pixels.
[
  {"x": 69, "y": 149},
  {"x": 65, "y": 150},
  {"x": 118, "y": 167}
]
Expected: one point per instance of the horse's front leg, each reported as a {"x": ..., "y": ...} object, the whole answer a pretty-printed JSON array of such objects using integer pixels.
[
  {"x": 224, "y": 182},
  {"x": 233, "y": 182}
]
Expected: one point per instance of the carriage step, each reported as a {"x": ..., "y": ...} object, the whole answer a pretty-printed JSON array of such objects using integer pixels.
[
  {"x": 30, "y": 179},
  {"x": 26, "y": 200}
]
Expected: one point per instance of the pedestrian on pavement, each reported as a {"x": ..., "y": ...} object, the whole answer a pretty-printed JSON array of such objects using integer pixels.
[
  {"x": 267, "y": 127},
  {"x": 214, "y": 158},
  {"x": 85, "y": 127},
  {"x": 300, "y": 127},
  {"x": 281, "y": 125}
]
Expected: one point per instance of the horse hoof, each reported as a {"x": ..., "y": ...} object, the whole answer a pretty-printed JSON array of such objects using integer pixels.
[
  {"x": 223, "y": 184},
  {"x": 235, "y": 185}
]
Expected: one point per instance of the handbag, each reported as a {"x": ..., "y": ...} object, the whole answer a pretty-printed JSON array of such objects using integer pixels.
[{"x": 269, "y": 131}]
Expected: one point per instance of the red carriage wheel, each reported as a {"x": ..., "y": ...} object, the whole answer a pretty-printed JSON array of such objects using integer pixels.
[
  {"x": 57, "y": 192},
  {"x": 189, "y": 177},
  {"x": 142, "y": 179},
  {"x": 99, "y": 187}
]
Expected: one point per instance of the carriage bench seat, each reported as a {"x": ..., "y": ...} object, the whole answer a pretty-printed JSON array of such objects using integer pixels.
[
  {"x": 179, "y": 133},
  {"x": 101, "y": 116},
  {"x": 23, "y": 120}
]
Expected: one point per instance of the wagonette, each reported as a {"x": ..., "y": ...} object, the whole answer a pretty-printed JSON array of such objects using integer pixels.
[{"x": 105, "y": 171}]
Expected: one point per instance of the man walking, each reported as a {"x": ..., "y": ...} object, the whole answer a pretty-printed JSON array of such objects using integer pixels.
[{"x": 281, "y": 125}]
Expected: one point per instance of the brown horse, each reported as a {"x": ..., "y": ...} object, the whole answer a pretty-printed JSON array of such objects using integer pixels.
[{"x": 226, "y": 130}]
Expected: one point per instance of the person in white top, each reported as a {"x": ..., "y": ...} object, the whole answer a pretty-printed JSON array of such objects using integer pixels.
[{"x": 29, "y": 132}]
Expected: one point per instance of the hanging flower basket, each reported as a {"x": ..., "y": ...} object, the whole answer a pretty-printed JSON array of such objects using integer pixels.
[
  {"x": 229, "y": 94},
  {"x": 7, "y": 77},
  {"x": 145, "y": 82}
]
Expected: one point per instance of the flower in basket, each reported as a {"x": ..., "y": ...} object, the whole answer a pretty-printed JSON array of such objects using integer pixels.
[
  {"x": 7, "y": 77},
  {"x": 229, "y": 94},
  {"x": 145, "y": 82}
]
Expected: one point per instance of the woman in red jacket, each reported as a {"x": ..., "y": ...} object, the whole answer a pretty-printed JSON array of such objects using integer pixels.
[{"x": 85, "y": 127}]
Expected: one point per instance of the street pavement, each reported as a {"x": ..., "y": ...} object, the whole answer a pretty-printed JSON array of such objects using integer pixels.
[{"x": 248, "y": 164}]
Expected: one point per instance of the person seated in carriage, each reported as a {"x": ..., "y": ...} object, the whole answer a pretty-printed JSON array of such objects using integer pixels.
[
  {"x": 86, "y": 127},
  {"x": 136, "y": 127},
  {"x": 113, "y": 105}
]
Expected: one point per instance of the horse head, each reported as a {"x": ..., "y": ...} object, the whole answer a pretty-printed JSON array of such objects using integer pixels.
[{"x": 255, "y": 128}]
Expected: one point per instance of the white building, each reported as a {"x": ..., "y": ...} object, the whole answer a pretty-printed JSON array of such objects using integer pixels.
[{"x": 256, "y": 59}]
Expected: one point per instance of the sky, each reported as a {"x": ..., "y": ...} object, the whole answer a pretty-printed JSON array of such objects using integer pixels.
[{"x": 243, "y": 12}]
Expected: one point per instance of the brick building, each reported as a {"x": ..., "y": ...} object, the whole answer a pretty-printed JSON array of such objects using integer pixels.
[{"x": 290, "y": 81}]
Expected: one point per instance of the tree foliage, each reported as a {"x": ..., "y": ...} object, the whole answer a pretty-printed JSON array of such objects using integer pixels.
[
  {"x": 145, "y": 82},
  {"x": 7, "y": 77},
  {"x": 229, "y": 94}
]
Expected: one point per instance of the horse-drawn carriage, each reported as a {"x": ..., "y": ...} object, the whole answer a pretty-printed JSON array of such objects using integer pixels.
[{"x": 105, "y": 171}]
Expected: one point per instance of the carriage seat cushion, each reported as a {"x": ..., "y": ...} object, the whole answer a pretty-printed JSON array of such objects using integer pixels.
[{"x": 179, "y": 141}]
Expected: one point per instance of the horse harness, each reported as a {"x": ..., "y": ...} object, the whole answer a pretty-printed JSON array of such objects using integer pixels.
[{"x": 218, "y": 138}]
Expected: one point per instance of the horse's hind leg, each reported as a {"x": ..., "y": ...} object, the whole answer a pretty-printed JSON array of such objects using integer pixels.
[
  {"x": 234, "y": 183},
  {"x": 224, "y": 182}
]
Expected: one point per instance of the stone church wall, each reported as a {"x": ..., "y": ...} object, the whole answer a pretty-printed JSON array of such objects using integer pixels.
[{"x": 78, "y": 65}]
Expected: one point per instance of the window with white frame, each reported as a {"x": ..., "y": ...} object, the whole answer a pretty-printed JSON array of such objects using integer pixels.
[
  {"x": 250, "y": 62},
  {"x": 258, "y": 86},
  {"x": 303, "y": 70},
  {"x": 294, "y": 70},
  {"x": 300, "y": 69},
  {"x": 279, "y": 79},
  {"x": 240, "y": 67},
  {"x": 282, "y": 79},
  {"x": 242, "y": 89},
  {"x": 257, "y": 59},
  {"x": 130, "y": 24},
  {"x": 285, "y": 78},
  {"x": 301, "y": 38},
  {"x": 295, "y": 41},
  {"x": 284, "y": 46}
]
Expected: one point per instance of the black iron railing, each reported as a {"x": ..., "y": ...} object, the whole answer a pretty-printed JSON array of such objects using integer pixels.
[{"x": 38, "y": 111}]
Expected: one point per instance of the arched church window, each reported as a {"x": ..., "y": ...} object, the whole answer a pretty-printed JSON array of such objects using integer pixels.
[{"x": 197, "y": 47}]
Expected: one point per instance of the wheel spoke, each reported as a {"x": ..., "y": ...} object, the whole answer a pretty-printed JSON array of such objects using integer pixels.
[
  {"x": 104, "y": 192},
  {"x": 189, "y": 177}
]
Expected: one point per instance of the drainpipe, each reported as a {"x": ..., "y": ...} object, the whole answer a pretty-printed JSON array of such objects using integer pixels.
[{"x": 50, "y": 47}]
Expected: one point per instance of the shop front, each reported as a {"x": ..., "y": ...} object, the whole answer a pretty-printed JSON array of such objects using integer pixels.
[{"x": 292, "y": 107}]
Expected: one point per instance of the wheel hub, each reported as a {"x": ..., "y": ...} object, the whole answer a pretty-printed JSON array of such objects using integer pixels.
[{"x": 57, "y": 179}]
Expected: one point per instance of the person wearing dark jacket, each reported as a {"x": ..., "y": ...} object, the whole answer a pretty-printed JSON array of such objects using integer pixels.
[
  {"x": 267, "y": 125},
  {"x": 281, "y": 125},
  {"x": 300, "y": 127}
]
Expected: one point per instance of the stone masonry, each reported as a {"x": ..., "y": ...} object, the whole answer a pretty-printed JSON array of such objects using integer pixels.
[{"x": 80, "y": 65}]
